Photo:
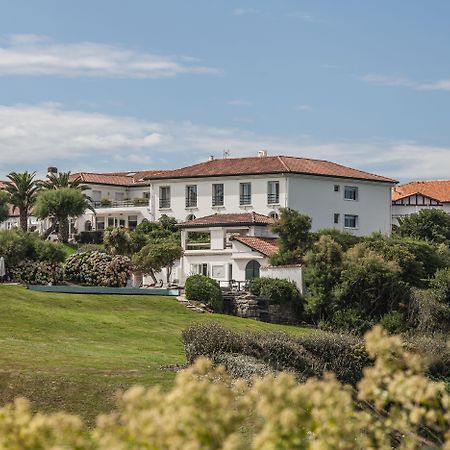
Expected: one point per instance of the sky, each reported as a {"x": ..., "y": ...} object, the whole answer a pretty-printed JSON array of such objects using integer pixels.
[{"x": 103, "y": 85}]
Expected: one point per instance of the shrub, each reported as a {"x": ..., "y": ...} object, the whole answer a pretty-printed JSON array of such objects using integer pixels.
[
  {"x": 204, "y": 289},
  {"x": 88, "y": 248},
  {"x": 48, "y": 251},
  {"x": 394, "y": 322},
  {"x": 117, "y": 241},
  {"x": 440, "y": 285},
  {"x": 276, "y": 290},
  {"x": 345, "y": 239},
  {"x": 347, "y": 320},
  {"x": 38, "y": 272},
  {"x": 306, "y": 356},
  {"x": 98, "y": 269},
  {"x": 90, "y": 237}
]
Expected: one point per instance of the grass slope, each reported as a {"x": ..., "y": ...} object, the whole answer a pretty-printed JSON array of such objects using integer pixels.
[{"x": 73, "y": 352}]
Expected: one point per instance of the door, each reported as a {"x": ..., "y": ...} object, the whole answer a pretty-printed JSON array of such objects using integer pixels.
[{"x": 252, "y": 270}]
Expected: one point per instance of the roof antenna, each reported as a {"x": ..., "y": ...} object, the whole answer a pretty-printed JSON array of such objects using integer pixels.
[{"x": 226, "y": 154}]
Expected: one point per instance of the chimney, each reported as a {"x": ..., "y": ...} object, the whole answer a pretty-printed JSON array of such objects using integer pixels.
[
  {"x": 52, "y": 171},
  {"x": 211, "y": 158},
  {"x": 262, "y": 153}
]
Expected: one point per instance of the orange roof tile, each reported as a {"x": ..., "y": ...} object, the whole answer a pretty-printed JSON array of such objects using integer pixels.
[
  {"x": 436, "y": 189},
  {"x": 264, "y": 245},
  {"x": 269, "y": 165},
  {"x": 117, "y": 178},
  {"x": 251, "y": 218}
]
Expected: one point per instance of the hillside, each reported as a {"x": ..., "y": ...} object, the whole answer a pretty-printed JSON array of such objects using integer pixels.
[{"x": 73, "y": 352}]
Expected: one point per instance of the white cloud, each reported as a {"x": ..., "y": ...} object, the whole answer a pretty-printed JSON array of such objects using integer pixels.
[
  {"x": 38, "y": 55},
  {"x": 304, "y": 16},
  {"x": 393, "y": 80},
  {"x": 35, "y": 136},
  {"x": 239, "y": 102},
  {"x": 304, "y": 108},
  {"x": 244, "y": 11}
]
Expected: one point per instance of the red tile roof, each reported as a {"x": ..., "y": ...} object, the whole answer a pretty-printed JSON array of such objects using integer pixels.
[
  {"x": 436, "y": 189},
  {"x": 269, "y": 165},
  {"x": 264, "y": 245},
  {"x": 117, "y": 178},
  {"x": 251, "y": 218}
]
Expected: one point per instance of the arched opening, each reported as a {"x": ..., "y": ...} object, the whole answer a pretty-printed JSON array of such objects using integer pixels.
[
  {"x": 190, "y": 217},
  {"x": 88, "y": 225},
  {"x": 252, "y": 270},
  {"x": 274, "y": 215}
]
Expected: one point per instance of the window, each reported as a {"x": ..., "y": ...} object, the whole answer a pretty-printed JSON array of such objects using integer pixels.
[
  {"x": 146, "y": 194},
  {"x": 119, "y": 196},
  {"x": 217, "y": 194},
  {"x": 132, "y": 222},
  {"x": 100, "y": 223},
  {"x": 164, "y": 197},
  {"x": 245, "y": 194},
  {"x": 111, "y": 222},
  {"x": 336, "y": 218},
  {"x": 337, "y": 188},
  {"x": 218, "y": 271},
  {"x": 88, "y": 225},
  {"x": 191, "y": 196},
  {"x": 190, "y": 217},
  {"x": 350, "y": 193},
  {"x": 274, "y": 215},
  {"x": 201, "y": 269},
  {"x": 351, "y": 221},
  {"x": 273, "y": 192}
]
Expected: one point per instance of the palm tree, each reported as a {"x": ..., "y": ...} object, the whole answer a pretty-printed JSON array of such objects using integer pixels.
[
  {"x": 59, "y": 205},
  {"x": 22, "y": 189},
  {"x": 62, "y": 180}
]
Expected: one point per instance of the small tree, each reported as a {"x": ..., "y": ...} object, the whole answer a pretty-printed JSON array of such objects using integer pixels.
[
  {"x": 323, "y": 271},
  {"x": 293, "y": 230},
  {"x": 117, "y": 241},
  {"x": 428, "y": 224},
  {"x": 4, "y": 208},
  {"x": 22, "y": 189},
  {"x": 156, "y": 255},
  {"x": 440, "y": 285},
  {"x": 59, "y": 205}
]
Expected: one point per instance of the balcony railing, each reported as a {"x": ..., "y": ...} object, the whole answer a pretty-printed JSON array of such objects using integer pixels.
[
  {"x": 217, "y": 200},
  {"x": 273, "y": 199},
  {"x": 245, "y": 199},
  {"x": 164, "y": 203},
  {"x": 198, "y": 245},
  {"x": 136, "y": 202},
  {"x": 191, "y": 202}
]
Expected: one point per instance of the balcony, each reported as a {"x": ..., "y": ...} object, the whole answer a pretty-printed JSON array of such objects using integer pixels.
[{"x": 133, "y": 203}]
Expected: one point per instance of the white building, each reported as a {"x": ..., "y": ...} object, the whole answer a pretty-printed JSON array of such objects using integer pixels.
[
  {"x": 226, "y": 247},
  {"x": 412, "y": 197},
  {"x": 334, "y": 196}
]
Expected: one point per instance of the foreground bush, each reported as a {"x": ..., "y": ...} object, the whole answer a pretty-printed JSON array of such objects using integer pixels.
[
  {"x": 204, "y": 289},
  {"x": 276, "y": 290},
  {"x": 394, "y": 406},
  {"x": 98, "y": 269}
]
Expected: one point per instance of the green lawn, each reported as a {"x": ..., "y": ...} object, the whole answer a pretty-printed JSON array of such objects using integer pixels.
[{"x": 73, "y": 352}]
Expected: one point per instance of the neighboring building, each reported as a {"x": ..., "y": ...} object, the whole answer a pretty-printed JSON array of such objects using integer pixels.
[
  {"x": 226, "y": 247},
  {"x": 411, "y": 197},
  {"x": 334, "y": 196}
]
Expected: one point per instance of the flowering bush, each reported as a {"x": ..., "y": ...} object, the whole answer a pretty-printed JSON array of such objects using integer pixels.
[
  {"x": 98, "y": 269},
  {"x": 394, "y": 406},
  {"x": 37, "y": 272}
]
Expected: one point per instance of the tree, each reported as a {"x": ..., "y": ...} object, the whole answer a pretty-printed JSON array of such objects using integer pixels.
[
  {"x": 431, "y": 225},
  {"x": 22, "y": 189},
  {"x": 4, "y": 207},
  {"x": 156, "y": 255},
  {"x": 323, "y": 271},
  {"x": 59, "y": 205},
  {"x": 63, "y": 180},
  {"x": 293, "y": 230},
  {"x": 117, "y": 241}
]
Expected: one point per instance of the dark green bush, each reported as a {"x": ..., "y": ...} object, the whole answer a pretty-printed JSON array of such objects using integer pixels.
[
  {"x": 394, "y": 322},
  {"x": 204, "y": 289},
  {"x": 276, "y": 290},
  {"x": 90, "y": 237},
  {"x": 48, "y": 251},
  {"x": 347, "y": 320},
  {"x": 440, "y": 285},
  {"x": 345, "y": 239}
]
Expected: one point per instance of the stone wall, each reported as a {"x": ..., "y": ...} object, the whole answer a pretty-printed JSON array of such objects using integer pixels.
[{"x": 247, "y": 305}]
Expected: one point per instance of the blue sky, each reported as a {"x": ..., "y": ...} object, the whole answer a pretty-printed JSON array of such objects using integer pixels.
[{"x": 113, "y": 85}]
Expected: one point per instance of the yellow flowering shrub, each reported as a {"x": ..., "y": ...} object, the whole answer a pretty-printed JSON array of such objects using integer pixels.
[{"x": 394, "y": 406}]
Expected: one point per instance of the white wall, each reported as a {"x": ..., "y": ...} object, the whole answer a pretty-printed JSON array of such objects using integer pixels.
[
  {"x": 292, "y": 273},
  {"x": 315, "y": 196}
]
